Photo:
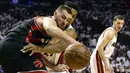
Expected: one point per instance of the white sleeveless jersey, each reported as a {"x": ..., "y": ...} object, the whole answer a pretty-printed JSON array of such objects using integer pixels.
[
  {"x": 70, "y": 26},
  {"x": 109, "y": 49}
]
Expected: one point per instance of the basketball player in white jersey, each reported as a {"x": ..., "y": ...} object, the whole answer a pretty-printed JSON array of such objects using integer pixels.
[{"x": 99, "y": 61}]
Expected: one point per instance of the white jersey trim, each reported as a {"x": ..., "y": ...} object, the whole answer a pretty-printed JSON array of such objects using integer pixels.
[{"x": 33, "y": 71}]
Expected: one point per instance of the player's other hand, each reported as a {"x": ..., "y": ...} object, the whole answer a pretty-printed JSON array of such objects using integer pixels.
[
  {"x": 32, "y": 48},
  {"x": 61, "y": 67}
]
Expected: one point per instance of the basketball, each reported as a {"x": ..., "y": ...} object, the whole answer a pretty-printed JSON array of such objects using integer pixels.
[{"x": 77, "y": 56}]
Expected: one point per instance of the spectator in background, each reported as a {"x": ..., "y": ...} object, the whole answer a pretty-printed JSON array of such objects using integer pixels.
[
  {"x": 127, "y": 63},
  {"x": 128, "y": 54}
]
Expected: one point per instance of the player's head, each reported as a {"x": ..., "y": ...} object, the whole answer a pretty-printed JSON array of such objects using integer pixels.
[
  {"x": 118, "y": 22},
  {"x": 65, "y": 14}
]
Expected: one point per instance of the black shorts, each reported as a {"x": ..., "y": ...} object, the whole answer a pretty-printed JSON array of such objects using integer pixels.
[{"x": 13, "y": 60}]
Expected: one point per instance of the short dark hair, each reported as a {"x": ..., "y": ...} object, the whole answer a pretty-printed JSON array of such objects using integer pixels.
[
  {"x": 72, "y": 5},
  {"x": 63, "y": 7},
  {"x": 67, "y": 8},
  {"x": 118, "y": 17}
]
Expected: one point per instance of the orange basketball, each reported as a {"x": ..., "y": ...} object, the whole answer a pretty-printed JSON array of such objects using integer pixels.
[{"x": 77, "y": 56}]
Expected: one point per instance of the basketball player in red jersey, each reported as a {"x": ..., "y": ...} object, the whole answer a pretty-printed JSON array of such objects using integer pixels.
[
  {"x": 56, "y": 61},
  {"x": 38, "y": 31}
]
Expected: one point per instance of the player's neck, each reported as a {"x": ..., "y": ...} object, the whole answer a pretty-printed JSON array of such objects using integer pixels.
[{"x": 115, "y": 30}]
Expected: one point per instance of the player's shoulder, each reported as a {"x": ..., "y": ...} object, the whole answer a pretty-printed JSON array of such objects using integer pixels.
[
  {"x": 49, "y": 17},
  {"x": 50, "y": 20},
  {"x": 109, "y": 32},
  {"x": 46, "y": 20}
]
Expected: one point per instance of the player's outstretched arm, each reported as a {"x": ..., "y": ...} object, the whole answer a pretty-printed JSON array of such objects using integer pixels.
[
  {"x": 49, "y": 25},
  {"x": 53, "y": 48},
  {"x": 60, "y": 45}
]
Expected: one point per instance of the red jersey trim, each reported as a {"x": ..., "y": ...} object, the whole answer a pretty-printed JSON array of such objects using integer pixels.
[{"x": 61, "y": 58}]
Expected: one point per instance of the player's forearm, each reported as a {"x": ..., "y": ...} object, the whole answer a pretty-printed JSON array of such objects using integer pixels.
[
  {"x": 102, "y": 55},
  {"x": 57, "y": 32},
  {"x": 54, "y": 48},
  {"x": 61, "y": 45}
]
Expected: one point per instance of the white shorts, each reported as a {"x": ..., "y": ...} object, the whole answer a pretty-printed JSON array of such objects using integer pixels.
[{"x": 96, "y": 63}]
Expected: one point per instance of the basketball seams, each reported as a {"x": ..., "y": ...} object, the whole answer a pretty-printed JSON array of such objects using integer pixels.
[
  {"x": 88, "y": 56},
  {"x": 68, "y": 62},
  {"x": 77, "y": 56}
]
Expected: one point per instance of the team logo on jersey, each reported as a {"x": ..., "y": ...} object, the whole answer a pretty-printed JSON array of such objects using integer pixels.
[
  {"x": 38, "y": 63},
  {"x": 42, "y": 40}
]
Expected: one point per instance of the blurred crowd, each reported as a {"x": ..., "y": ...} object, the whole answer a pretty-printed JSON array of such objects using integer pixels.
[{"x": 94, "y": 16}]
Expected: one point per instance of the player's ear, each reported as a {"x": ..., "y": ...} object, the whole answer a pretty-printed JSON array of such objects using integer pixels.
[
  {"x": 113, "y": 22},
  {"x": 55, "y": 13}
]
